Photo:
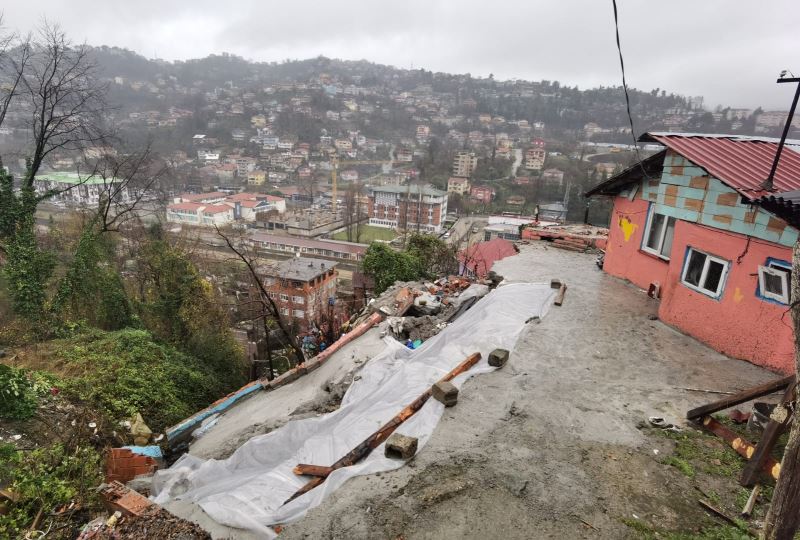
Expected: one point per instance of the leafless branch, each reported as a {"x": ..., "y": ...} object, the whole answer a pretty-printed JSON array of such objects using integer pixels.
[{"x": 269, "y": 304}]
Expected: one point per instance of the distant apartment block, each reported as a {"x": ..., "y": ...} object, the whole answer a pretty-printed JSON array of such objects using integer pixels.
[
  {"x": 409, "y": 207},
  {"x": 217, "y": 208},
  {"x": 76, "y": 189},
  {"x": 465, "y": 164},
  {"x": 534, "y": 158},
  {"x": 458, "y": 185},
  {"x": 302, "y": 289}
]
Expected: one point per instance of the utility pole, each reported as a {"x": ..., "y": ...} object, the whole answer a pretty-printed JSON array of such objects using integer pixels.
[{"x": 768, "y": 183}]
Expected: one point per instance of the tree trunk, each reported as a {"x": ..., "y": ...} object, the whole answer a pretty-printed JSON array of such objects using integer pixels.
[{"x": 783, "y": 518}]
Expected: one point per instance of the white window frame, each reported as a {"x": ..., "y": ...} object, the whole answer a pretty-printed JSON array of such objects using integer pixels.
[
  {"x": 769, "y": 268},
  {"x": 298, "y": 313},
  {"x": 662, "y": 236},
  {"x": 284, "y": 297},
  {"x": 722, "y": 278},
  {"x": 298, "y": 300}
]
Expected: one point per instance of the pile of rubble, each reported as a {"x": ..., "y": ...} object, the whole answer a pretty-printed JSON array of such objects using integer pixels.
[{"x": 569, "y": 237}]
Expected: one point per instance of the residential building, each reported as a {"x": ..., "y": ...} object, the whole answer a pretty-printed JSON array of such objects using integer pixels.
[
  {"x": 423, "y": 132},
  {"x": 687, "y": 227},
  {"x": 534, "y": 158},
  {"x": 410, "y": 207},
  {"x": 201, "y": 214},
  {"x": 404, "y": 155},
  {"x": 303, "y": 289},
  {"x": 465, "y": 164},
  {"x": 458, "y": 185},
  {"x": 482, "y": 194},
  {"x": 256, "y": 177},
  {"x": 77, "y": 189}
]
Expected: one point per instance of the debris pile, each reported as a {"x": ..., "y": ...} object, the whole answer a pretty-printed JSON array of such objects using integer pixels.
[{"x": 578, "y": 238}]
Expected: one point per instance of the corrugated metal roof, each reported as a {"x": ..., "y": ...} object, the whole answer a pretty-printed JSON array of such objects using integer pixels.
[
  {"x": 741, "y": 163},
  {"x": 784, "y": 205}
]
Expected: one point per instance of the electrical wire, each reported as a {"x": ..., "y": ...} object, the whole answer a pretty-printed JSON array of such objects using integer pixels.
[{"x": 625, "y": 89}]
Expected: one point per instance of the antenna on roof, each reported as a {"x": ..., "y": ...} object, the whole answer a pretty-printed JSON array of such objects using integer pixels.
[{"x": 768, "y": 183}]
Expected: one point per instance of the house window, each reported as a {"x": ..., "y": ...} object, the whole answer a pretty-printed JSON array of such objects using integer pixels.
[
  {"x": 299, "y": 313},
  {"x": 284, "y": 311},
  {"x": 704, "y": 273},
  {"x": 659, "y": 234},
  {"x": 284, "y": 297},
  {"x": 775, "y": 280},
  {"x": 297, "y": 299}
]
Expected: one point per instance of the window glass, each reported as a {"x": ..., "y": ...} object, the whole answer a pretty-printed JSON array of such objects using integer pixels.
[
  {"x": 654, "y": 237},
  {"x": 695, "y": 268},
  {"x": 713, "y": 276},
  {"x": 773, "y": 283},
  {"x": 666, "y": 248}
]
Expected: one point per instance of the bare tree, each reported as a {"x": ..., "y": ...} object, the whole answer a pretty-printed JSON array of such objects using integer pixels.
[
  {"x": 268, "y": 304},
  {"x": 60, "y": 85},
  {"x": 15, "y": 53}
]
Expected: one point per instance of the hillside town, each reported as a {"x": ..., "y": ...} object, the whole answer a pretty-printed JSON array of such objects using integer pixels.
[{"x": 335, "y": 298}]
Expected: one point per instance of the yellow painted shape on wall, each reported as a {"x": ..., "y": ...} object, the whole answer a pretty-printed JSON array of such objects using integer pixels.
[
  {"x": 737, "y": 295},
  {"x": 627, "y": 227}
]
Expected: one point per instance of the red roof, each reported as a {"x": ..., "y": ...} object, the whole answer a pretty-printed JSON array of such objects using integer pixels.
[
  {"x": 202, "y": 196},
  {"x": 480, "y": 258},
  {"x": 217, "y": 208},
  {"x": 741, "y": 163},
  {"x": 185, "y": 206},
  {"x": 244, "y": 196}
]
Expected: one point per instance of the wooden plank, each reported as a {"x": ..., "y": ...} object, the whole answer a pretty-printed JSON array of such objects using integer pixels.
[
  {"x": 742, "y": 446},
  {"x": 774, "y": 429},
  {"x": 560, "y": 296},
  {"x": 373, "y": 441},
  {"x": 740, "y": 397},
  {"x": 312, "y": 470}
]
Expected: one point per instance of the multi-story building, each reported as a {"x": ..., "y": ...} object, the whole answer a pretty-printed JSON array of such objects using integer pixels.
[
  {"x": 77, "y": 189},
  {"x": 482, "y": 194},
  {"x": 534, "y": 158},
  {"x": 410, "y": 207},
  {"x": 302, "y": 288},
  {"x": 458, "y": 185},
  {"x": 465, "y": 164}
]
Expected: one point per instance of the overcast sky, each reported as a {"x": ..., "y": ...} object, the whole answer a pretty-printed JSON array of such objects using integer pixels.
[{"x": 729, "y": 51}]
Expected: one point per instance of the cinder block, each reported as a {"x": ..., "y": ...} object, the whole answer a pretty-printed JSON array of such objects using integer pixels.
[
  {"x": 401, "y": 446},
  {"x": 444, "y": 392},
  {"x": 498, "y": 358}
]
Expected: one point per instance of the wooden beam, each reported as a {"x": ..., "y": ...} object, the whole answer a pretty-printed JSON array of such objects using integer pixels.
[
  {"x": 740, "y": 397},
  {"x": 767, "y": 442},
  {"x": 560, "y": 296},
  {"x": 743, "y": 447},
  {"x": 373, "y": 441},
  {"x": 304, "y": 469}
]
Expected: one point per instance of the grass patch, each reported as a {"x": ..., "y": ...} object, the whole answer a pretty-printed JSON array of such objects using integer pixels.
[
  {"x": 694, "y": 450},
  {"x": 645, "y": 531},
  {"x": 369, "y": 234}
]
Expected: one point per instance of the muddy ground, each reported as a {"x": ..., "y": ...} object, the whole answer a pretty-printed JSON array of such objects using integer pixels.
[{"x": 551, "y": 446}]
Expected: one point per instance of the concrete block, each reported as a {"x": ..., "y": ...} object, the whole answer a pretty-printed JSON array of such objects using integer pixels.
[
  {"x": 498, "y": 358},
  {"x": 401, "y": 446},
  {"x": 445, "y": 393}
]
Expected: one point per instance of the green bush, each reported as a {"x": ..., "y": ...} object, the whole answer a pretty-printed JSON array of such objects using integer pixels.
[
  {"x": 20, "y": 392},
  {"x": 44, "y": 479},
  {"x": 125, "y": 372}
]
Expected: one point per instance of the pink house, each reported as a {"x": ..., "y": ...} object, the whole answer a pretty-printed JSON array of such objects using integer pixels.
[{"x": 689, "y": 225}]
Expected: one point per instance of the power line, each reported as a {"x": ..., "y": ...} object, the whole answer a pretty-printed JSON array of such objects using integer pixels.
[{"x": 625, "y": 89}]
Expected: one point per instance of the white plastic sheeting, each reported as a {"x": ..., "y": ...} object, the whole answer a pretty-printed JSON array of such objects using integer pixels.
[{"x": 248, "y": 489}]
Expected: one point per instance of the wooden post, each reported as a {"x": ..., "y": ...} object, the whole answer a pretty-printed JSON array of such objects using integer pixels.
[
  {"x": 740, "y": 397},
  {"x": 767, "y": 442},
  {"x": 742, "y": 446}
]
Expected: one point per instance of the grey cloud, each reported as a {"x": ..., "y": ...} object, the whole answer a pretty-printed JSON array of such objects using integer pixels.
[{"x": 730, "y": 51}]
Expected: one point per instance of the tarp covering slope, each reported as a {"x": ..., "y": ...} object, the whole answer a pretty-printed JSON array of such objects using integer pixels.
[{"x": 248, "y": 489}]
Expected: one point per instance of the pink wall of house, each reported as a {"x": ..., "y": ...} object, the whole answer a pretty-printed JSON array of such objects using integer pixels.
[
  {"x": 624, "y": 257},
  {"x": 739, "y": 323}
]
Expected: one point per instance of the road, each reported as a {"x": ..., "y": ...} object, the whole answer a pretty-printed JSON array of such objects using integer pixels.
[{"x": 461, "y": 233}]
